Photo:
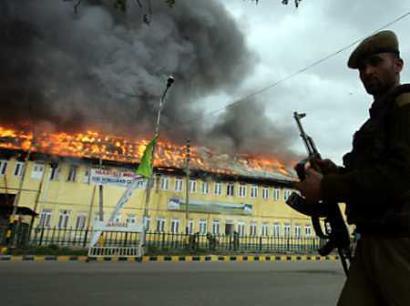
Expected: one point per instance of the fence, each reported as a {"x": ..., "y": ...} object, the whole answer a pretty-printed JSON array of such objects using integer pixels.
[{"x": 166, "y": 242}]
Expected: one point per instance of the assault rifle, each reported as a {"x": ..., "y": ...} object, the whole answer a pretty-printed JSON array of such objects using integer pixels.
[{"x": 336, "y": 233}]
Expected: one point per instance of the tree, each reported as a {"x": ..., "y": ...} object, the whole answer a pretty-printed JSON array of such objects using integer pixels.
[{"x": 122, "y": 5}]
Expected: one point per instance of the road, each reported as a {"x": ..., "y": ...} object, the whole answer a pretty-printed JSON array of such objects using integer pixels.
[{"x": 170, "y": 283}]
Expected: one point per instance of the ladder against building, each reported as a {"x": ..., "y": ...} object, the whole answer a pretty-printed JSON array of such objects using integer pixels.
[{"x": 115, "y": 239}]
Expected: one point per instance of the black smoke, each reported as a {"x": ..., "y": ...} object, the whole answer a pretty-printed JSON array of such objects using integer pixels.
[
  {"x": 245, "y": 128},
  {"x": 104, "y": 68}
]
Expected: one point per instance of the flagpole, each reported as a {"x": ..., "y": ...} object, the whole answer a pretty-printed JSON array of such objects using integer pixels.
[{"x": 150, "y": 181}]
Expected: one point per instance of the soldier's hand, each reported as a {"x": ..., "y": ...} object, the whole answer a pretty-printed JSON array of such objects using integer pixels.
[
  {"x": 310, "y": 186},
  {"x": 325, "y": 166}
]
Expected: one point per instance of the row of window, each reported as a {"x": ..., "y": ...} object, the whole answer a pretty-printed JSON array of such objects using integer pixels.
[
  {"x": 38, "y": 170},
  {"x": 242, "y": 189},
  {"x": 204, "y": 187},
  {"x": 228, "y": 189},
  {"x": 80, "y": 221},
  {"x": 243, "y": 229}
]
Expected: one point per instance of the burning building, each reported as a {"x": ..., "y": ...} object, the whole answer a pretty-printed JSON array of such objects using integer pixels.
[{"x": 60, "y": 173}]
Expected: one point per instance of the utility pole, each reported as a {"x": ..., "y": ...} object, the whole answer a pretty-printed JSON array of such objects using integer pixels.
[
  {"x": 13, "y": 216},
  {"x": 37, "y": 200},
  {"x": 187, "y": 159},
  {"x": 100, "y": 196},
  {"x": 90, "y": 209}
]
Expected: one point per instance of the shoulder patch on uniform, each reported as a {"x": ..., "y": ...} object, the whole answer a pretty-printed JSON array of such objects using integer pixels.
[{"x": 403, "y": 99}]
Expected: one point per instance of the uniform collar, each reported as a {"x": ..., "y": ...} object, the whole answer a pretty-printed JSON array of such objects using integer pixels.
[{"x": 380, "y": 104}]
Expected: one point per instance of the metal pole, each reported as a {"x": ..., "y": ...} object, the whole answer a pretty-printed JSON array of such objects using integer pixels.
[
  {"x": 17, "y": 197},
  {"x": 90, "y": 210},
  {"x": 170, "y": 81},
  {"x": 6, "y": 188},
  {"x": 40, "y": 187},
  {"x": 187, "y": 159},
  {"x": 100, "y": 197}
]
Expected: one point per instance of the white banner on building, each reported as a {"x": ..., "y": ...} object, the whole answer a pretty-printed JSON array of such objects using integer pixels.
[
  {"x": 112, "y": 177},
  {"x": 118, "y": 227},
  {"x": 210, "y": 207}
]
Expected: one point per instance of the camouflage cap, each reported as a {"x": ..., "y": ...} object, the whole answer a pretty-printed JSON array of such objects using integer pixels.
[{"x": 383, "y": 41}]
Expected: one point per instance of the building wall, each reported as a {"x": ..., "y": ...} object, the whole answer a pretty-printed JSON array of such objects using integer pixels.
[{"x": 75, "y": 202}]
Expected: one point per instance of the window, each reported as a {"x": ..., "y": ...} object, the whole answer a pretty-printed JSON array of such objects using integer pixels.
[
  {"x": 298, "y": 231},
  {"x": 190, "y": 226},
  {"x": 229, "y": 227},
  {"x": 218, "y": 188},
  {"x": 192, "y": 186},
  {"x": 254, "y": 191},
  {"x": 264, "y": 229},
  {"x": 72, "y": 173},
  {"x": 287, "y": 229},
  {"x": 87, "y": 176},
  {"x": 117, "y": 218},
  {"x": 276, "y": 229},
  {"x": 308, "y": 230},
  {"x": 160, "y": 225},
  {"x": 147, "y": 223},
  {"x": 45, "y": 217},
  {"x": 242, "y": 191},
  {"x": 63, "y": 219},
  {"x": 18, "y": 171},
  {"x": 54, "y": 172},
  {"x": 286, "y": 194},
  {"x": 131, "y": 219},
  {"x": 3, "y": 167},
  {"x": 178, "y": 185},
  {"x": 265, "y": 193},
  {"x": 37, "y": 171},
  {"x": 141, "y": 183},
  {"x": 155, "y": 181},
  {"x": 205, "y": 187},
  {"x": 276, "y": 194},
  {"x": 252, "y": 229},
  {"x": 230, "y": 189},
  {"x": 215, "y": 227},
  {"x": 203, "y": 227},
  {"x": 174, "y": 226},
  {"x": 96, "y": 217},
  {"x": 80, "y": 222},
  {"x": 241, "y": 228},
  {"x": 164, "y": 183}
]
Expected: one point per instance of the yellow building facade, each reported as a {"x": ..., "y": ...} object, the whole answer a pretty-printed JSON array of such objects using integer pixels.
[{"x": 61, "y": 192}]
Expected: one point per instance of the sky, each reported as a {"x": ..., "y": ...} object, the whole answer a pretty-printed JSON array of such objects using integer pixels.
[
  {"x": 286, "y": 40},
  {"x": 104, "y": 69}
]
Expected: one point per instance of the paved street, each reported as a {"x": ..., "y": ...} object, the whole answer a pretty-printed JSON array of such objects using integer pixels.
[{"x": 170, "y": 283}]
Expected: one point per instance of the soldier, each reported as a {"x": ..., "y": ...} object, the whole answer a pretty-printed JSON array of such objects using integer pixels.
[{"x": 375, "y": 180}]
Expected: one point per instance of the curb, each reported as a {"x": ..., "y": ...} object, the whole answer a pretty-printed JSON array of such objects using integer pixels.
[{"x": 165, "y": 258}]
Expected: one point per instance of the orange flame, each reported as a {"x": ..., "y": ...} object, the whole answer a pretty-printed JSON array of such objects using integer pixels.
[{"x": 92, "y": 144}]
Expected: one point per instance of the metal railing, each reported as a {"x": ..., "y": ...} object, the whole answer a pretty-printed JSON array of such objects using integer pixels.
[
  {"x": 165, "y": 242},
  {"x": 230, "y": 243}
]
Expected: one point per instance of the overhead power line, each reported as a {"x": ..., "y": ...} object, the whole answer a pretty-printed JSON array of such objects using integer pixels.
[{"x": 272, "y": 85}]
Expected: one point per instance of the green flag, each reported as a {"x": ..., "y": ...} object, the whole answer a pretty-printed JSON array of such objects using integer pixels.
[{"x": 145, "y": 166}]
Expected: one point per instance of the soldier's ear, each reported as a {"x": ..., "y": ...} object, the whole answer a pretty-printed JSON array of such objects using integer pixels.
[{"x": 398, "y": 64}]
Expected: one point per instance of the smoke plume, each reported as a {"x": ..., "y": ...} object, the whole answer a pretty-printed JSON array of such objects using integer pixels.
[{"x": 104, "y": 68}]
